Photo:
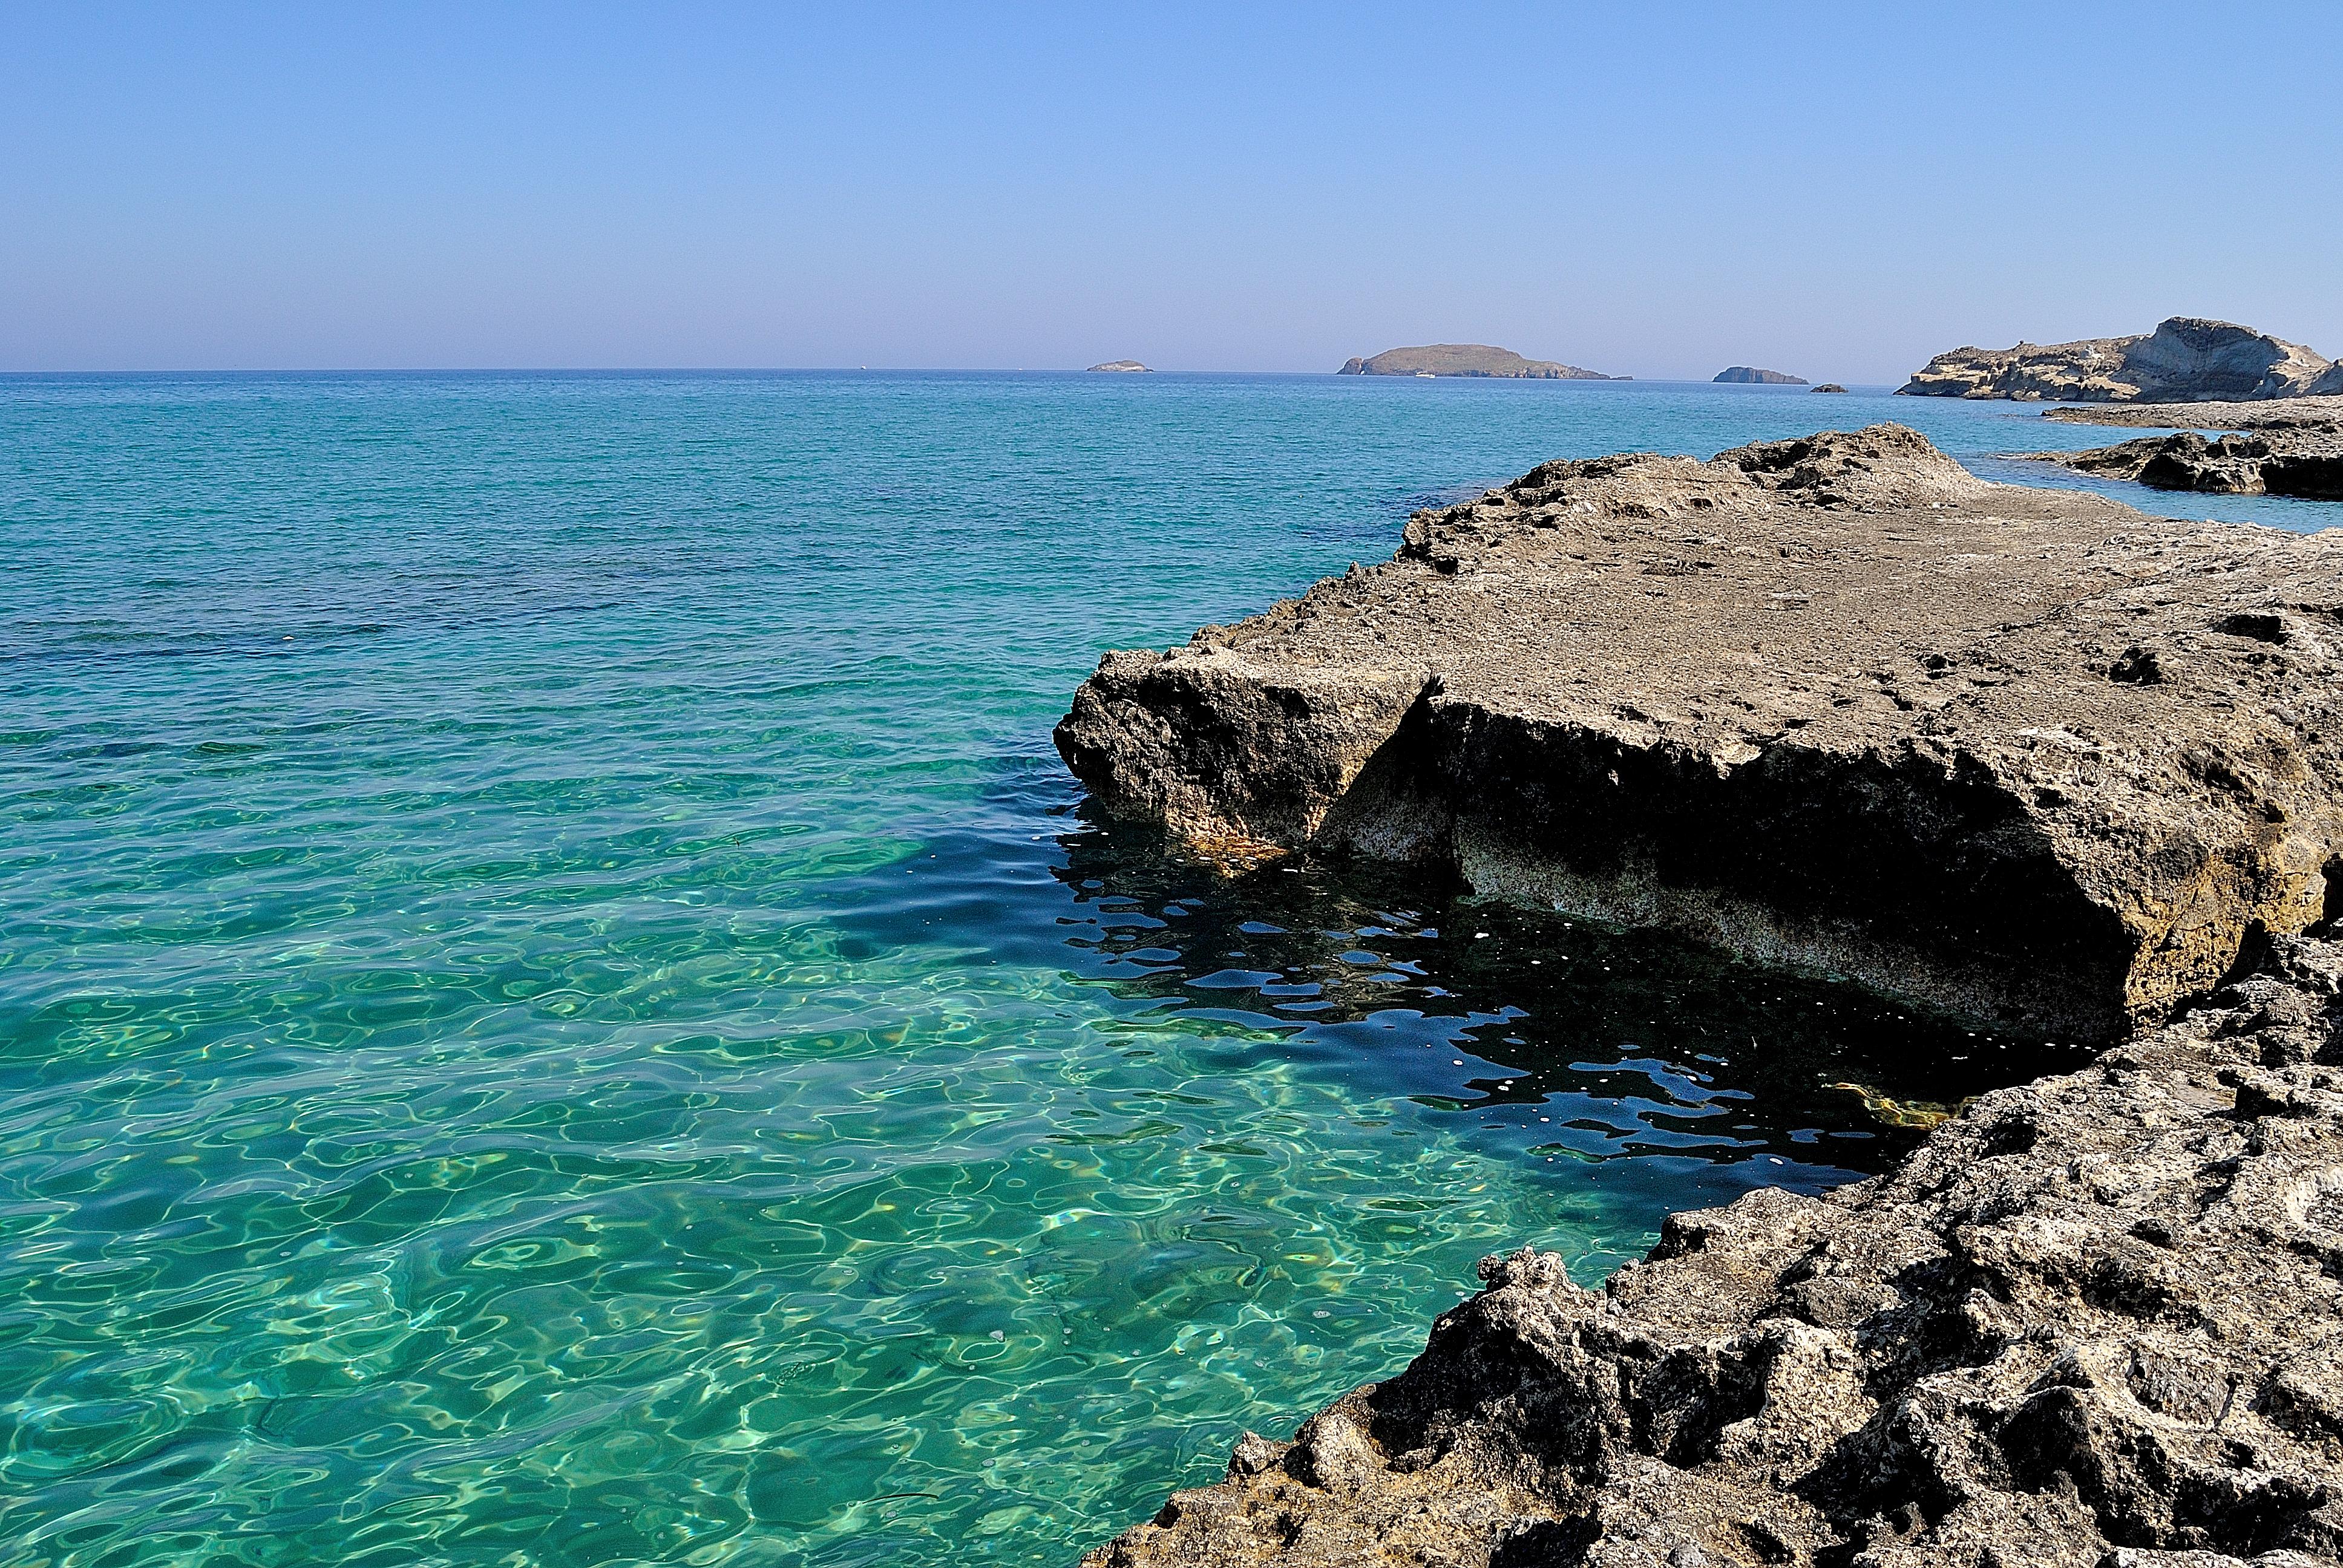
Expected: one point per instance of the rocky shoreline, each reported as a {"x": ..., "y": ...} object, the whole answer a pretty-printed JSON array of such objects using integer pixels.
[
  {"x": 2293, "y": 448},
  {"x": 2026, "y": 755},
  {"x": 2308, "y": 465},
  {"x": 2096, "y": 1319},
  {"x": 2285, "y": 414}
]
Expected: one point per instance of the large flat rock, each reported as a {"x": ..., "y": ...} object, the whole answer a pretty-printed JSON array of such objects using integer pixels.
[
  {"x": 2029, "y": 755},
  {"x": 2306, "y": 413}
]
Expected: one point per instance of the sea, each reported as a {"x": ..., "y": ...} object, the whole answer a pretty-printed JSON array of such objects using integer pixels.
[{"x": 558, "y": 1006}]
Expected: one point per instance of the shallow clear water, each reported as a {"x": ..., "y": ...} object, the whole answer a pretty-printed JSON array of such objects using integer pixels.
[{"x": 556, "y": 1005}]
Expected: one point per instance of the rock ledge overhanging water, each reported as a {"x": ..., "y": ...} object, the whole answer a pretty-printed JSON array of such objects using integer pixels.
[{"x": 2024, "y": 754}]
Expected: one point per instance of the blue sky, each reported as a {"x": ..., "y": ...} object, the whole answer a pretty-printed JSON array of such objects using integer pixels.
[{"x": 1655, "y": 190}]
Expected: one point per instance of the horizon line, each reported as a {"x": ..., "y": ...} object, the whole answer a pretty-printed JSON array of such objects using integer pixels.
[{"x": 845, "y": 370}]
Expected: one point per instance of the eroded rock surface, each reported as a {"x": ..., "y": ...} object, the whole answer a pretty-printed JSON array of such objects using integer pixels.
[
  {"x": 2306, "y": 413},
  {"x": 2184, "y": 359},
  {"x": 2024, "y": 754},
  {"x": 2306, "y": 462},
  {"x": 2096, "y": 1320}
]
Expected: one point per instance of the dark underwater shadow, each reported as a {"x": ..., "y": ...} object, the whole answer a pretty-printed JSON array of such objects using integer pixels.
[{"x": 1681, "y": 1072}]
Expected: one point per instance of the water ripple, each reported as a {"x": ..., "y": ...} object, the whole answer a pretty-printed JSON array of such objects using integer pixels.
[{"x": 554, "y": 1006}]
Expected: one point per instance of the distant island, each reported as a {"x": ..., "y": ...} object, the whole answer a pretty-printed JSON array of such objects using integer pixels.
[
  {"x": 1830, "y": 387},
  {"x": 1751, "y": 375},
  {"x": 1125, "y": 366},
  {"x": 2185, "y": 359},
  {"x": 1468, "y": 359}
]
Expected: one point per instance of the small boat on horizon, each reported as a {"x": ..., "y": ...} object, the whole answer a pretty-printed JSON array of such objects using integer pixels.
[{"x": 1425, "y": 376}]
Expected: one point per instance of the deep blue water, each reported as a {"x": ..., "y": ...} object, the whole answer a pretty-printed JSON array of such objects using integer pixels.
[{"x": 557, "y": 1006}]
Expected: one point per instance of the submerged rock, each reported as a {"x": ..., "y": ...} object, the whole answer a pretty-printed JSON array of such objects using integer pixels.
[
  {"x": 2094, "y": 1320},
  {"x": 2025, "y": 755},
  {"x": 1468, "y": 359},
  {"x": 2184, "y": 359},
  {"x": 1751, "y": 375}
]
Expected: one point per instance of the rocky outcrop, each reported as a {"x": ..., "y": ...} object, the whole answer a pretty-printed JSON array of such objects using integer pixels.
[
  {"x": 2184, "y": 359},
  {"x": 1749, "y": 375},
  {"x": 2313, "y": 414},
  {"x": 2094, "y": 1322},
  {"x": 1830, "y": 387},
  {"x": 2026, "y": 755},
  {"x": 1124, "y": 366},
  {"x": 1835, "y": 700},
  {"x": 2302, "y": 463},
  {"x": 1468, "y": 359}
]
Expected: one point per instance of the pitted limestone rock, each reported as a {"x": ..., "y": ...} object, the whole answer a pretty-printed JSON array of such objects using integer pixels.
[{"x": 2096, "y": 1319}]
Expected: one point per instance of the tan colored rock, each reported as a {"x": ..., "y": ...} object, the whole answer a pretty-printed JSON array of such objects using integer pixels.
[
  {"x": 2095, "y": 1321},
  {"x": 2186, "y": 359},
  {"x": 2023, "y": 754},
  {"x": 2304, "y": 413}
]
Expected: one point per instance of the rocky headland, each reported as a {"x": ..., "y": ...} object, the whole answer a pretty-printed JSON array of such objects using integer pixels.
[
  {"x": 1468, "y": 359},
  {"x": 2026, "y": 755},
  {"x": 2185, "y": 359},
  {"x": 1749, "y": 375}
]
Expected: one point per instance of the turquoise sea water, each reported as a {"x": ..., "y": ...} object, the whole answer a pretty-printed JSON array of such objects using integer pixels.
[{"x": 557, "y": 1006}]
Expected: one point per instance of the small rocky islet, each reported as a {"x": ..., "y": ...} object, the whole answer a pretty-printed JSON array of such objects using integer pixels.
[
  {"x": 1434, "y": 359},
  {"x": 1750, "y": 376},
  {"x": 2026, "y": 755}
]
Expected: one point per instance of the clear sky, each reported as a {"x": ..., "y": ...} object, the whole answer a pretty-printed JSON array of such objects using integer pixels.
[{"x": 1648, "y": 189}]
